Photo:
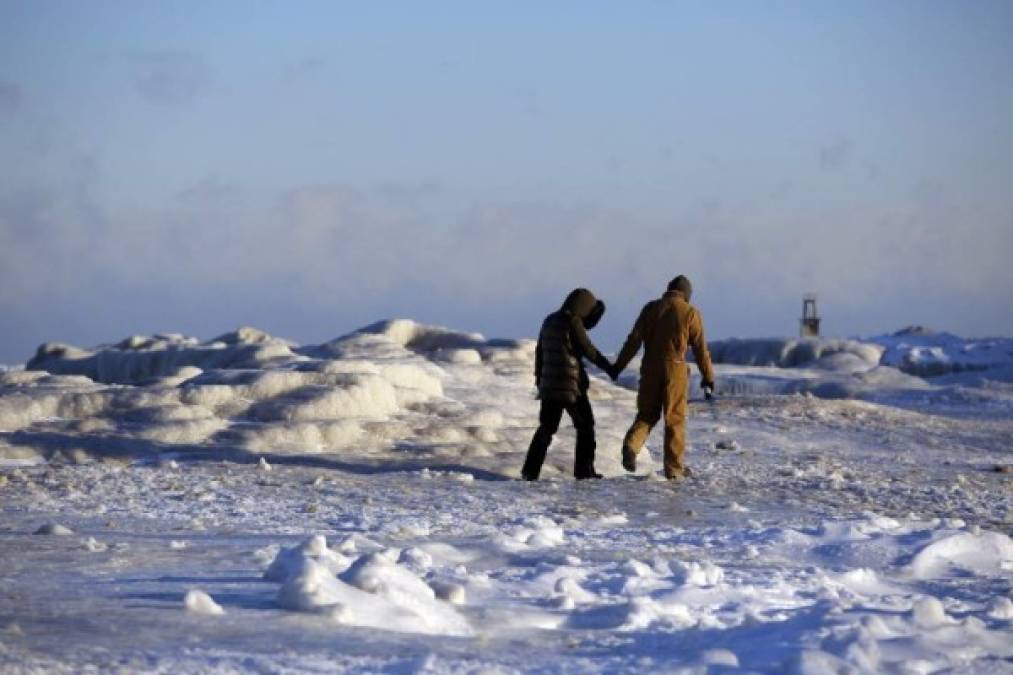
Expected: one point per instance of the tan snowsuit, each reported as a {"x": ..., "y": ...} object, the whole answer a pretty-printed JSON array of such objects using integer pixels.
[{"x": 665, "y": 327}]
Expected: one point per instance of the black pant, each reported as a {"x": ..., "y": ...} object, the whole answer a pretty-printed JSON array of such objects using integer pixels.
[{"x": 548, "y": 422}]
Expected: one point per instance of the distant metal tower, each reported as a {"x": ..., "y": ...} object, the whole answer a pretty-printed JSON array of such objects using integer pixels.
[{"x": 809, "y": 324}]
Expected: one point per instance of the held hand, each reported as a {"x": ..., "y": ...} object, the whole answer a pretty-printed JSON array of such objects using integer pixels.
[{"x": 708, "y": 390}]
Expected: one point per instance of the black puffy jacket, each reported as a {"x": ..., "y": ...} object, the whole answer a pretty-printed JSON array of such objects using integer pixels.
[{"x": 563, "y": 343}]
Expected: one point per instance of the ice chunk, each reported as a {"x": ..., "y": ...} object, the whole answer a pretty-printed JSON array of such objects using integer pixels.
[
  {"x": 926, "y": 353},
  {"x": 1001, "y": 608},
  {"x": 571, "y": 588},
  {"x": 537, "y": 531},
  {"x": 865, "y": 581},
  {"x": 138, "y": 358},
  {"x": 412, "y": 376},
  {"x": 719, "y": 657},
  {"x": 313, "y": 588},
  {"x": 841, "y": 355},
  {"x": 359, "y": 396},
  {"x": 374, "y": 592},
  {"x": 642, "y": 612},
  {"x": 459, "y": 356},
  {"x": 697, "y": 573},
  {"x": 309, "y": 436},
  {"x": 416, "y": 558},
  {"x": 199, "y": 602},
  {"x": 449, "y": 591},
  {"x": 93, "y": 545},
  {"x": 55, "y": 529},
  {"x": 986, "y": 553},
  {"x": 928, "y": 612},
  {"x": 290, "y": 561}
]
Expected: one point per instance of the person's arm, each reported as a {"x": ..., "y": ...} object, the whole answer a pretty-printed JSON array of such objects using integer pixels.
[
  {"x": 586, "y": 348},
  {"x": 633, "y": 342},
  {"x": 701, "y": 354}
]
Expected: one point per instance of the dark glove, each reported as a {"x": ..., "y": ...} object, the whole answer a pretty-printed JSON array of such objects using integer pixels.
[
  {"x": 613, "y": 372},
  {"x": 708, "y": 389}
]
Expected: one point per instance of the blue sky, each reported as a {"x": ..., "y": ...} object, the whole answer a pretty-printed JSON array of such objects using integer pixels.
[{"x": 308, "y": 168}]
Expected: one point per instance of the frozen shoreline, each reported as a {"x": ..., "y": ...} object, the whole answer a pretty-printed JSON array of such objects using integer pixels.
[{"x": 866, "y": 532}]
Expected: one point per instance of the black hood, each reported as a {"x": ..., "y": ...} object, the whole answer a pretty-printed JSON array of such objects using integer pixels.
[
  {"x": 592, "y": 319},
  {"x": 583, "y": 305}
]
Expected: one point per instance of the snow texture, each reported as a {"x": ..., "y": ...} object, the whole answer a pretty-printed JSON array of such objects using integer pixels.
[
  {"x": 349, "y": 506},
  {"x": 921, "y": 351}
]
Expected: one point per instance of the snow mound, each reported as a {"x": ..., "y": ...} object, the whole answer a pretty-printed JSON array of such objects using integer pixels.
[
  {"x": 829, "y": 354},
  {"x": 289, "y": 561},
  {"x": 55, "y": 529},
  {"x": 199, "y": 602},
  {"x": 701, "y": 574},
  {"x": 375, "y": 592},
  {"x": 138, "y": 359},
  {"x": 928, "y": 612},
  {"x": 534, "y": 532},
  {"x": 396, "y": 389},
  {"x": 987, "y": 553},
  {"x": 1001, "y": 608},
  {"x": 244, "y": 389},
  {"x": 926, "y": 353},
  {"x": 433, "y": 342},
  {"x": 645, "y": 612}
]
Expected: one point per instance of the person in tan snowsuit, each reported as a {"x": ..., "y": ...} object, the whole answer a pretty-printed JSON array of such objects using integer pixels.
[{"x": 665, "y": 328}]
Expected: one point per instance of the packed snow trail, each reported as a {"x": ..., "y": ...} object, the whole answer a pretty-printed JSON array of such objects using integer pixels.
[{"x": 352, "y": 506}]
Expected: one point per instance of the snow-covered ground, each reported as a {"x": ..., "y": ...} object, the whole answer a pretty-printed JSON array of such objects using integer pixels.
[{"x": 251, "y": 504}]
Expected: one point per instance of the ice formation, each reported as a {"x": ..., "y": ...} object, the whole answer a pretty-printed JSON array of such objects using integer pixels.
[
  {"x": 347, "y": 505},
  {"x": 199, "y": 602},
  {"x": 374, "y": 590}
]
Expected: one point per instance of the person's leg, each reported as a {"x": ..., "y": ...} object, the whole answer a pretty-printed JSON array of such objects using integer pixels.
[
  {"x": 676, "y": 395},
  {"x": 548, "y": 422},
  {"x": 649, "y": 404},
  {"x": 583, "y": 422}
]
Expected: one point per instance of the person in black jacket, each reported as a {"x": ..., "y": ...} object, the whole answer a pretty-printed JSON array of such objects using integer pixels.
[{"x": 562, "y": 381}]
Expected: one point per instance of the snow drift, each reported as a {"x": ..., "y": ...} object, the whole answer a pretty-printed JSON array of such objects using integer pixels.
[
  {"x": 251, "y": 391},
  {"x": 914, "y": 350},
  {"x": 767, "y": 561},
  {"x": 138, "y": 359},
  {"x": 921, "y": 351},
  {"x": 398, "y": 384}
]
